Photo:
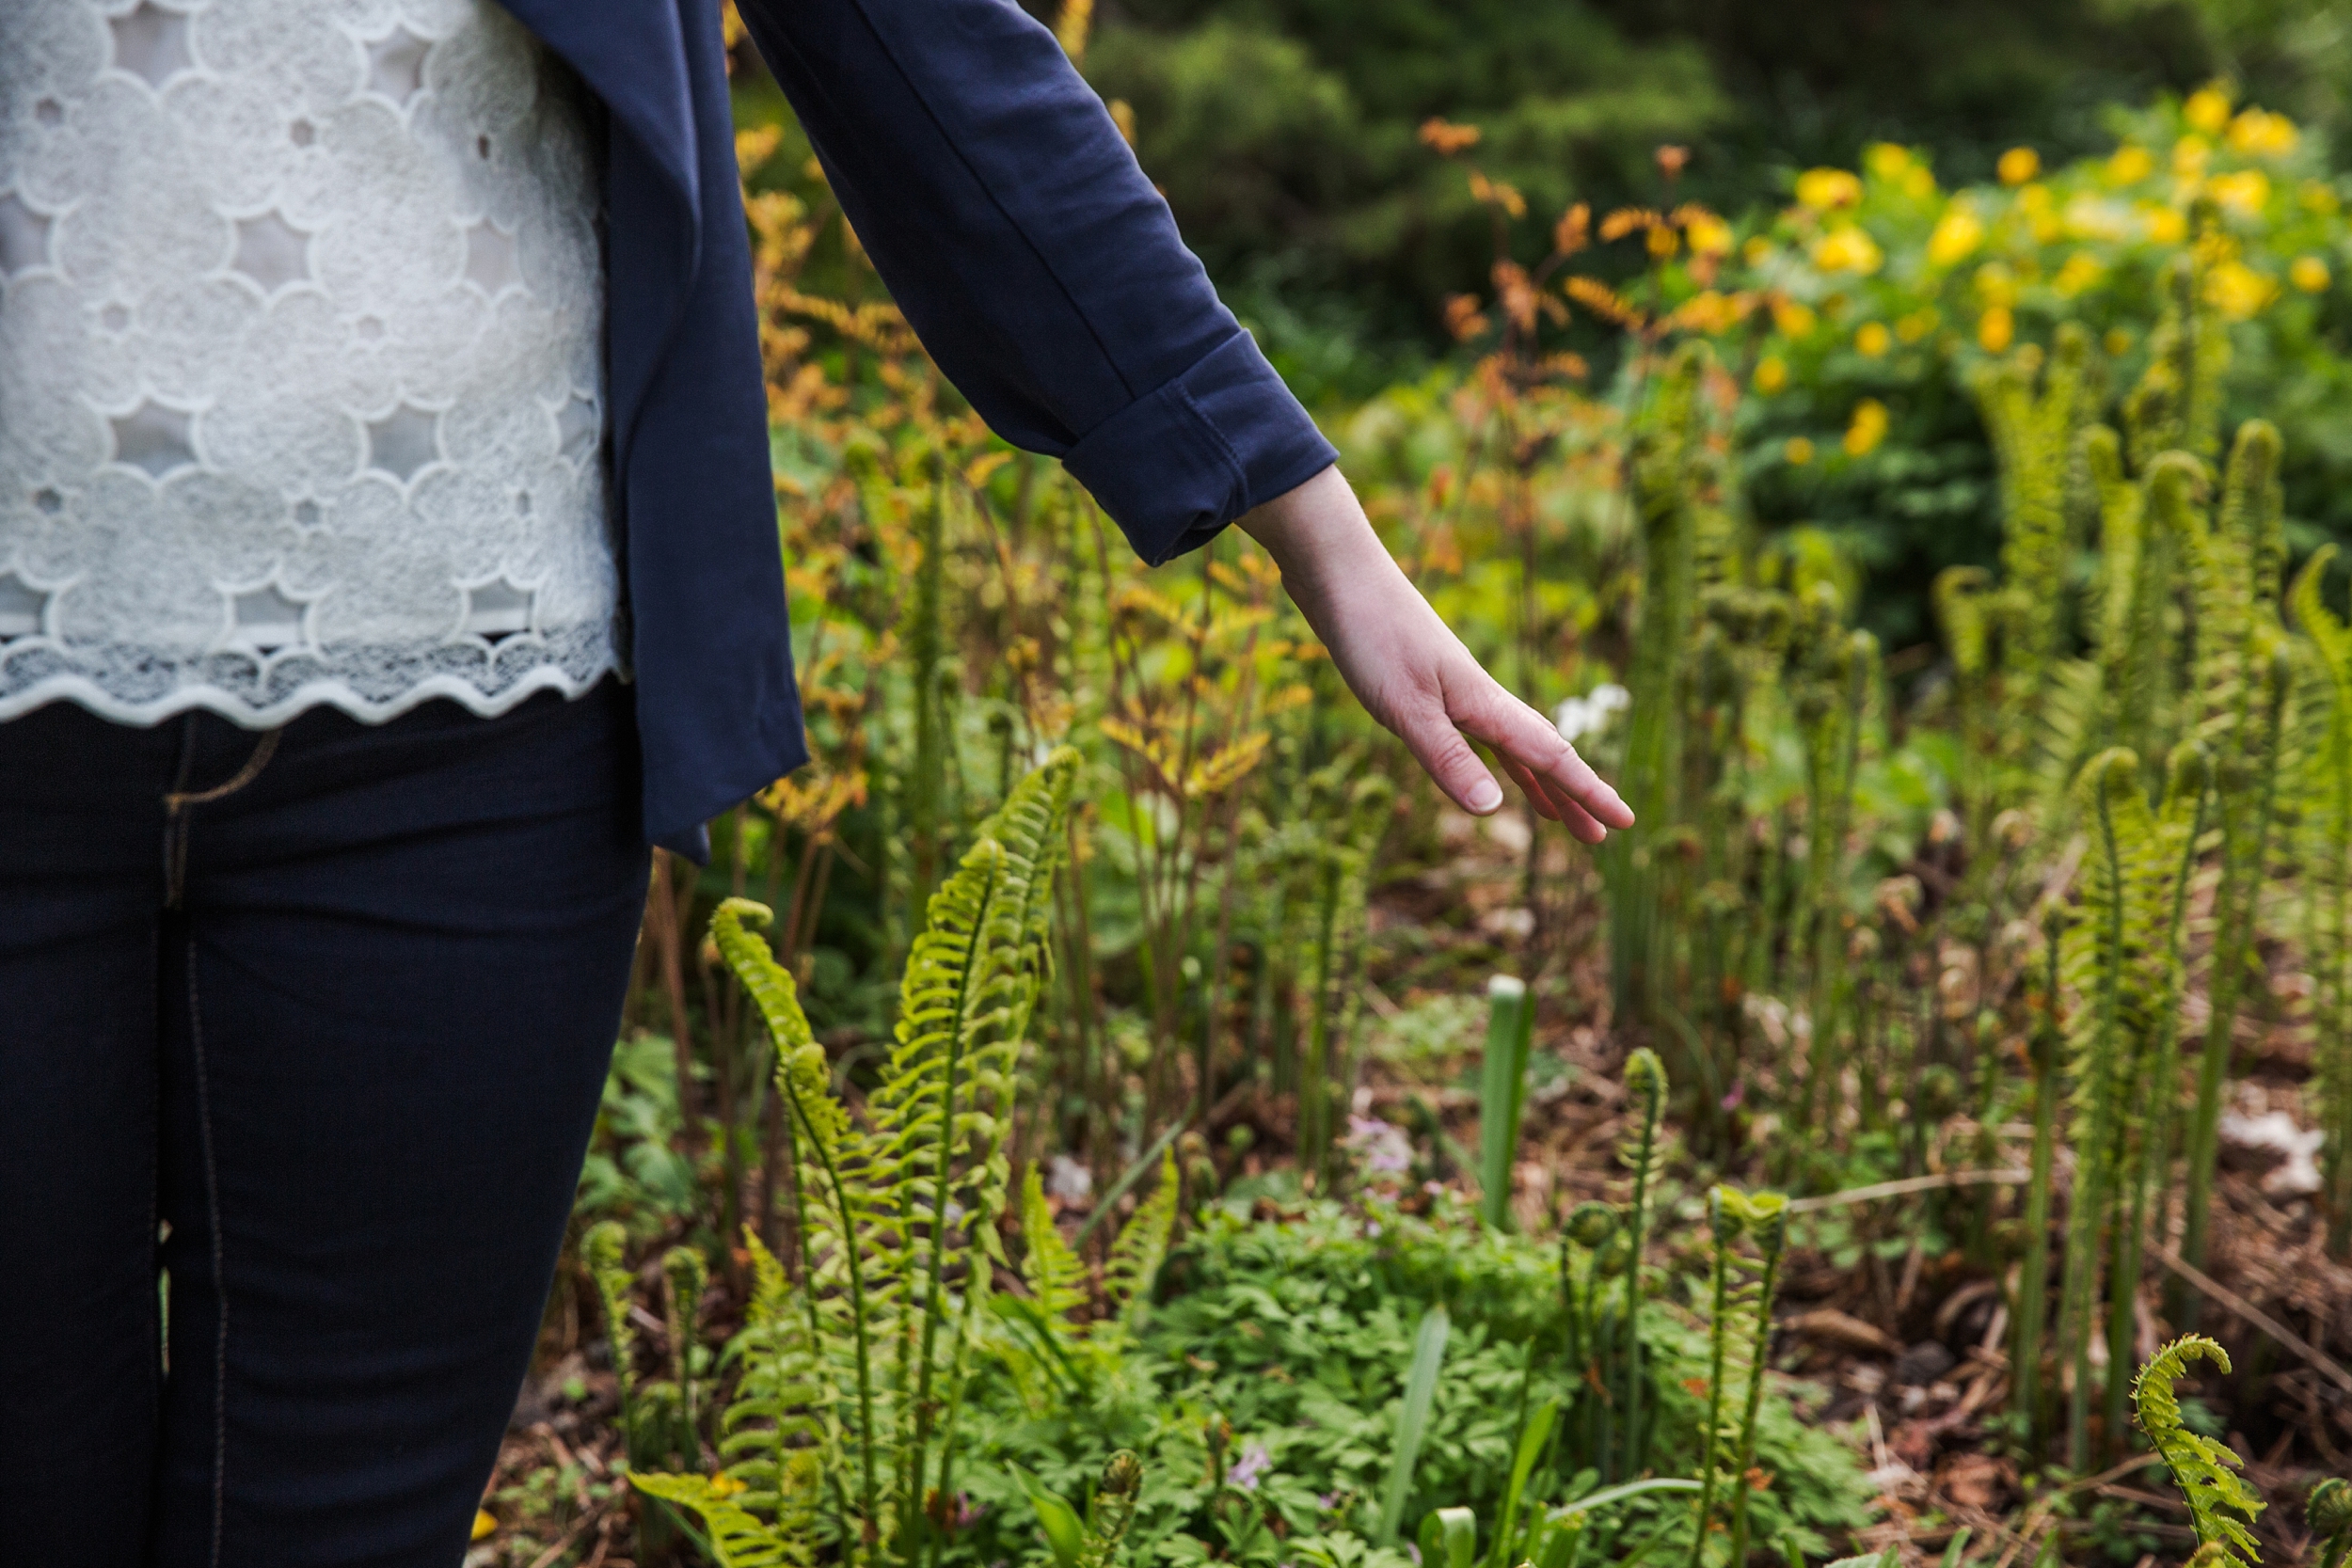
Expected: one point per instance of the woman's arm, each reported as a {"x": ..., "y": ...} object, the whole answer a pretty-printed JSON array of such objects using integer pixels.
[
  {"x": 1045, "y": 277},
  {"x": 1039, "y": 266}
]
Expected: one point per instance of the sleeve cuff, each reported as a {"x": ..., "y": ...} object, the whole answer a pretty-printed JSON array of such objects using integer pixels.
[{"x": 1176, "y": 465}]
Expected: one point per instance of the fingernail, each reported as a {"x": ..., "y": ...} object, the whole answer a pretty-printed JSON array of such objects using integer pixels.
[{"x": 1485, "y": 796}]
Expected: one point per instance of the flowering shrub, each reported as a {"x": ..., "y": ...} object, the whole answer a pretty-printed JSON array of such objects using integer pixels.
[{"x": 1858, "y": 312}]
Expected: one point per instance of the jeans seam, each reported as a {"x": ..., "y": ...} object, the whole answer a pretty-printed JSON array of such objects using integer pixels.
[
  {"x": 177, "y": 803},
  {"x": 220, "y": 1275}
]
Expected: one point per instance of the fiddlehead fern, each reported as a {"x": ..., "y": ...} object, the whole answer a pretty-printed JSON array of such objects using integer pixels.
[
  {"x": 1646, "y": 1086},
  {"x": 2206, "y": 1472}
]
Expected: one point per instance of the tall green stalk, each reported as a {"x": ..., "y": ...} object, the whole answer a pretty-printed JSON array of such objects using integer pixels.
[
  {"x": 1646, "y": 1085},
  {"x": 1502, "y": 1093}
]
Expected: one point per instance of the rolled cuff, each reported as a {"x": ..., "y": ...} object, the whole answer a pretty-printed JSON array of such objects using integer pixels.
[{"x": 1176, "y": 465}]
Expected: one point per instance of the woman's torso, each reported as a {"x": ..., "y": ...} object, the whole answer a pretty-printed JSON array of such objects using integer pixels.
[{"x": 301, "y": 392}]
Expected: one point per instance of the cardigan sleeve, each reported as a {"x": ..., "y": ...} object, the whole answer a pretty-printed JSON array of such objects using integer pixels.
[{"x": 1034, "y": 259}]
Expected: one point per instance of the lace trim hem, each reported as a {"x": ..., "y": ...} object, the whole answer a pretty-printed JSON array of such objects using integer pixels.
[{"x": 147, "y": 686}]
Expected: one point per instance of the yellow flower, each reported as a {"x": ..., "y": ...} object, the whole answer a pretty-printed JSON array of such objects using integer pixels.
[
  {"x": 2308, "y": 273},
  {"x": 2189, "y": 156},
  {"x": 1848, "y": 249},
  {"x": 2245, "y": 193},
  {"x": 2080, "y": 272},
  {"x": 1709, "y": 235},
  {"x": 485, "y": 1523},
  {"x": 1824, "y": 188},
  {"x": 1997, "y": 284},
  {"x": 1918, "y": 182},
  {"x": 1957, "y": 232},
  {"x": 2019, "y": 164},
  {"x": 1917, "y": 325},
  {"x": 2166, "y": 225},
  {"x": 1663, "y": 242},
  {"x": 1885, "y": 159},
  {"x": 2237, "y": 291},
  {"x": 1757, "y": 252},
  {"x": 1799, "y": 451},
  {"x": 1771, "y": 374},
  {"x": 2258, "y": 133},
  {"x": 724, "y": 1486},
  {"x": 1867, "y": 429},
  {"x": 1793, "y": 319},
  {"x": 2320, "y": 198},
  {"x": 1997, "y": 328},
  {"x": 2118, "y": 343},
  {"x": 2130, "y": 165},
  {"x": 2208, "y": 108},
  {"x": 1874, "y": 338}
]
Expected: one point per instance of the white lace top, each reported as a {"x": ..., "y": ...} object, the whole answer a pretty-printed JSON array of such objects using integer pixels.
[{"x": 301, "y": 394}]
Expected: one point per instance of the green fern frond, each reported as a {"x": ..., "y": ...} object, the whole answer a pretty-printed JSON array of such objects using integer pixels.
[
  {"x": 737, "y": 1538},
  {"x": 2205, "y": 1471},
  {"x": 602, "y": 1250},
  {"x": 1055, "y": 1276},
  {"x": 1142, "y": 1245}
]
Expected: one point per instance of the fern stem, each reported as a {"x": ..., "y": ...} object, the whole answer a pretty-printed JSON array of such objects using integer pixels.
[
  {"x": 910, "y": 1513},
  {"x": 2243, "y": 864},
  {"x": 869, "y": 1494},
  {"x": 2031, "y": 1307},
  {"x": 1718, "y": 1332},
  {"x": 1774, "y": 1239}
]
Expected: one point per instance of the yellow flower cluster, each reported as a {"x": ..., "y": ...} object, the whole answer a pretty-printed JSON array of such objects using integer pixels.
[
  {"x": 2208, "y": 109},
  {"x": 1823, "y": 189},
  {"x": 1846, "y": 248},
  {"x": 2244, "y": 193},
  {"x": 2308, "y": 273},
  {"x": 1867, "y": 429},
  {"x": 2257, "y": 134},
  {"x": 2237, "y": 291},
  {"x": 2018, "y": 165},
  {"x": 1958, "y": 232}
]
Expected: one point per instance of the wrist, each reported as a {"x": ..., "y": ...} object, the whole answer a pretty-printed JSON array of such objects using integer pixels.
[{"x": 1316, "y": 533}]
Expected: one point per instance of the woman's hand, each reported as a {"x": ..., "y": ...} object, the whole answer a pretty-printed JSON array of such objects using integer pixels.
[{"x": 1411, "y": 672}]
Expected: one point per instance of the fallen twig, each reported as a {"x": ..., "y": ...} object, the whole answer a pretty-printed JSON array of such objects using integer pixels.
[
  {"x": 1912, "y": 1184},
  {"x": 2317, "y": 1359}
]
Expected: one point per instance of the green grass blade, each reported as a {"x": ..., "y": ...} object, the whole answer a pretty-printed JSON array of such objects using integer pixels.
[{"x": 1412, "y": 1421}]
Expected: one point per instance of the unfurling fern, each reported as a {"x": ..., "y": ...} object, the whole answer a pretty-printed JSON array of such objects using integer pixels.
[
  {"x": 2034, "y": 436},
  {"x": 2245, "y": 678},
  {"x": 2123, "y": 959},
  {"x": 1740, "y": 1332},
  {"x": 2205, "y": 1471},
  {"x": 898, "y": 1211},
  {"x": 2328, "y": 1511},
  {"x": 2328, "y": 809},
  {"x": 1646, "y": 1085}
]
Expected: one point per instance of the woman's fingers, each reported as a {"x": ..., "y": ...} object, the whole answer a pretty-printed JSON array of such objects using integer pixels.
[
  {"x": 1552, "y": 801},
  {"x": 1442, "y": 752},
  {"x": 1520, "y": 735}
]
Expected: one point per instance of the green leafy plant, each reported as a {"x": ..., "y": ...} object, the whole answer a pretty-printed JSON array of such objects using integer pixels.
[{"x": 898, "y": 1211}]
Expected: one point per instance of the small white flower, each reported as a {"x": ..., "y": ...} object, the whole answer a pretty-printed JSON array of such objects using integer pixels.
[
  {"x": 1587, "y": 715},
  {"x": 1067, "y": 1180}
]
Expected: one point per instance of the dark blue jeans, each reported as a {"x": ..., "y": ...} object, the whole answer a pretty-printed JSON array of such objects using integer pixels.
[{"x": 334, "y": 1005}]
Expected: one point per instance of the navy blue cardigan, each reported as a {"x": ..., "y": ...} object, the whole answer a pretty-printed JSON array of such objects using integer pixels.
[{"x": 1016, "y": 232}]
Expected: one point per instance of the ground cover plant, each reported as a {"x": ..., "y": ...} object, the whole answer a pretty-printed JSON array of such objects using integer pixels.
[{"x": 1108, "y": 1109}]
